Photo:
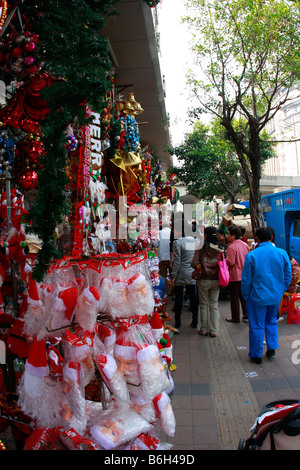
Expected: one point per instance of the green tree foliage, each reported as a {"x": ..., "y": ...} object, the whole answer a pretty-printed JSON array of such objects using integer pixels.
[
  {"x": 75, "y": 53},
  {"x": 248, "y": 55},
  {"x": 208, "y": 164}
]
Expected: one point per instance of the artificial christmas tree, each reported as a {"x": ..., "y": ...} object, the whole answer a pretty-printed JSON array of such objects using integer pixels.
[{"x": 84, "y": 301}]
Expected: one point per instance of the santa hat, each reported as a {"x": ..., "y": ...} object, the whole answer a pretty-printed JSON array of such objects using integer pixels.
[
  {"x": 55, "y": 361},
  {"x": 165, "y": 413},
  {"x": 165, "y": 344},
  {"x": 124, "y": 348},
  {"x": 16, "y": 239},
  {"x": 36, "y": 363},
  {"x": 92, "y": 295},
  {"x": 135, "y": 281},
  {"x": 71, "y": 371},
  {"x": 17, "y": 220},
  {"x": 160, "y": 402},
  {"x": 147, "y": 352},
  {"x": 33, "y": 295},
  {"x": 65, "y": 301},
  {"x": 120, "y": 284},
  {"x": 80, "y": 282},
  {"x": 107, "y": 365},
  {"x": 27, "y": 268},
  {"x": 17, "y": 253},
  {"x": 107, "y": 335},
  {"x": 157, "y": 299},
  {"x": 46, "y": 290},
  {"x": 156, "y": 325}
]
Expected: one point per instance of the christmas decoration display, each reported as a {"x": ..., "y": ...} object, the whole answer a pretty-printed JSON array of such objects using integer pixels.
[
  {"x": 86, "y": 357},
  {"x": 77, "y": 335},
  {"x": 152, "y": 3}
]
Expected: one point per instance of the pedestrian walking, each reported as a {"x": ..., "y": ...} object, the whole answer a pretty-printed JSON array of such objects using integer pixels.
[
  {"x": 266, "y": 275},
  {"x": 181, "y": 275},
  {"x": 208, "y": 285},
  {"x": 235, "y": 258},
  {"x": 163, "y": 252},
  {"x": 221, "y": 235}
]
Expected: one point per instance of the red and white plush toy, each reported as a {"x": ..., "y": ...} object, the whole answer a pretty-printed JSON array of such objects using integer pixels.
[
  {"x": 117, "y": 427},
  {"x": 87, "y": 308},
  {"x": 165, "y": 414},
  {"x": 140, "y": 295},
  {"x": 64, "y": 302}
]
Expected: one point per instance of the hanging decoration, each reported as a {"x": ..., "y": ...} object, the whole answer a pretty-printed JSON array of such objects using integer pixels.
[
  {"x": 3, "y": 11},
  {"x": 77, "y": 299},
  {"x": 152, "y": 3}
]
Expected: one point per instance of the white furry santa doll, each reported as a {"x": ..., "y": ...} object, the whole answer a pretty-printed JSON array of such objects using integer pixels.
[
  {"x": 64, "y": 302},
  {"x": 140, "y": 295},
  {"x": 73, "y": 405},
  {"x": 116, "y": 292},
  {"x": 87, "y": 308}
]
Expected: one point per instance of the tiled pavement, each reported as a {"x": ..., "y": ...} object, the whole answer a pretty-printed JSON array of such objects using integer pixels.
[{"x": 218, "y": 392}]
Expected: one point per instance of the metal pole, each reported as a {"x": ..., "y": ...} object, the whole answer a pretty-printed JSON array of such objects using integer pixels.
[{"x": 7, "y": 176}]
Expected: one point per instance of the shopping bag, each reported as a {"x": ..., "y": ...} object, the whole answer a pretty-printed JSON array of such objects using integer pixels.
[{"x": 223, "y": 271}]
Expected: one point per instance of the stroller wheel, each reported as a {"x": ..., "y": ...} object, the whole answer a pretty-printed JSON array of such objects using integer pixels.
[{"x": 241, "y": 445}]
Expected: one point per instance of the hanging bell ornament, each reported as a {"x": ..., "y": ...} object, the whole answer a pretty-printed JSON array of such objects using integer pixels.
[{"x": 138, "y": 109}]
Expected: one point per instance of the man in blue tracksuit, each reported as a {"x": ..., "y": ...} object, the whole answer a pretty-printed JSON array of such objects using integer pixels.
[{"x": 266, "y": 275}]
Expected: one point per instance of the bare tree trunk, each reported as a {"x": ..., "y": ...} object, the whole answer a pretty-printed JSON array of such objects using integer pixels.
[
  {"x": 254, "y": 187},
  {"x": 252, "y": 175}
]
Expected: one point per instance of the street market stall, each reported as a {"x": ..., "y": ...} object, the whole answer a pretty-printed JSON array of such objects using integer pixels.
[{"x": 85, "y": 354}]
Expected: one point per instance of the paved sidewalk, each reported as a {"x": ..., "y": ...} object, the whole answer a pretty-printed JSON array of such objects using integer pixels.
[{"x": 218, "y": 390}]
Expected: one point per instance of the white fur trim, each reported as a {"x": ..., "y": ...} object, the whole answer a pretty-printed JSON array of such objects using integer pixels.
[
  {"x": 136, "y": 282},
  {"x": 163, "y": 401},
  {"x": 90, "y": 297},
  {"x": 70, "y": 373},
  {"x": 147, "y": 353},
  {"x": 31, "y": 301},
  {"x": 127, "y": 352},
  {"x": 37, "y": 371},
  {"x": 120, "y": 285},
  {"x": 58, "y": 304},
  {"x": 27, "y": 268},
  {"x": 109, "y": 367}
]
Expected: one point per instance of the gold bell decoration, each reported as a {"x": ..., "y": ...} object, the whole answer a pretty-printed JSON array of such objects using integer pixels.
[
  {"x": 138, "y": 109},
  {"x": 131, "y": 106}
]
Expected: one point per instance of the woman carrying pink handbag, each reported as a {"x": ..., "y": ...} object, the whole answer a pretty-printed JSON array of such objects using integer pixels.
[
  {"x": 236, "y": 253},
  {"x": 208, "y": 285}
]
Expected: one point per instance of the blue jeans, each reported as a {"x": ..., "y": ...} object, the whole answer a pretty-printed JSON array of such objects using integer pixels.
[{"x": 262, "y": 323}]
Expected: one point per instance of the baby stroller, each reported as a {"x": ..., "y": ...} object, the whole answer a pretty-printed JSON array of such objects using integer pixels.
[{"x": 277, "y": 427}]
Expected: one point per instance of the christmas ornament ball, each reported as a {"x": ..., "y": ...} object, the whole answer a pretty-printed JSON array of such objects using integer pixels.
[{"x": 28, "y": 180}]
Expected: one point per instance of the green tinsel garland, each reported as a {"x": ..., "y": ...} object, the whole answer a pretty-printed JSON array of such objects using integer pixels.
[{"x": 73, "y": 51}]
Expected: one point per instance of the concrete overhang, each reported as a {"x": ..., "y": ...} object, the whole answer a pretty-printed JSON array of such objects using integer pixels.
[{"x": 132, "y": 39}]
